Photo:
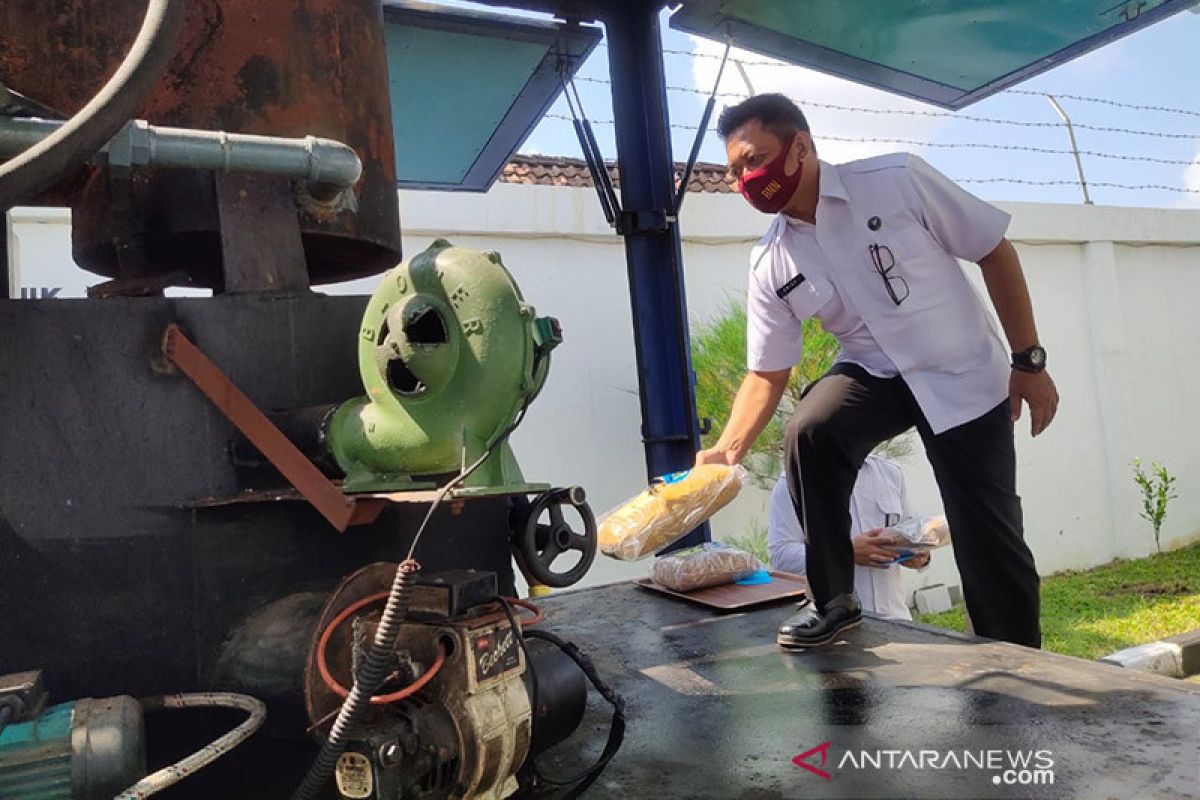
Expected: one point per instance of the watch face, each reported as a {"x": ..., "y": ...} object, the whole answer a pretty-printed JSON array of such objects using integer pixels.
[{"x": 1037, "y": 357}]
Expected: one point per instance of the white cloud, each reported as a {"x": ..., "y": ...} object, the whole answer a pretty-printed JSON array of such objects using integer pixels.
[
  {"x": 1111, "y": 59},
  {"x": 1191, "y": 180},
  {"x": 810, "y": 88}
]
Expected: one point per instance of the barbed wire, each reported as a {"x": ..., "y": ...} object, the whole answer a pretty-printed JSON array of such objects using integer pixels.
[
  {"x": 1104, "y": 184},
  {"x": 986, "y": 120},
  {"x": 970, "y": 146},
  {"x": 1000, "y": 120},
  {"x": 987, "y": 146},
  {"x": 1077, "y": 125},
  {"x": 926, "y": 113},
  {"x": 1107, "y": 102},
  {"x": 1018, "y": 147},
  {"x": 1028, "y": 92}
]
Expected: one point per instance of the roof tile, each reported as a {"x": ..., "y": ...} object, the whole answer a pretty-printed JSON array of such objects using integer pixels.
[{"x": 560, "y": 171}]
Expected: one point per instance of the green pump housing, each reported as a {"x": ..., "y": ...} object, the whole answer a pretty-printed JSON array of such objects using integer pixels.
[{"x": 450, "y": 356}]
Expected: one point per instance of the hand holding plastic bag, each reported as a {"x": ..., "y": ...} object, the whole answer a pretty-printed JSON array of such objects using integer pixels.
[
  {"x": 667, "y": 510},
  {"x": 925, "y": 532}
]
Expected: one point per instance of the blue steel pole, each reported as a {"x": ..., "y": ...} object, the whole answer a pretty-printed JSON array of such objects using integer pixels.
[{"x": 653, "y": 253}]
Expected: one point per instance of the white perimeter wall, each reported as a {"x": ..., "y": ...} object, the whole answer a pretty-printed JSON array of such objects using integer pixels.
[{"x": 1116, "y": 292}]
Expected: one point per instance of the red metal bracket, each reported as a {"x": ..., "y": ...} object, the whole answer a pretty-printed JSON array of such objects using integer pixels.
[{"x": 341, "y": 510}]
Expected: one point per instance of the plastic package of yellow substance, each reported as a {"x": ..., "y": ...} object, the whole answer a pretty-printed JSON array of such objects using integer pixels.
[
  {"x": 707, "y": 564},
  {"x": 667, "y": 510},
  {"x": 923, "y": 532}
]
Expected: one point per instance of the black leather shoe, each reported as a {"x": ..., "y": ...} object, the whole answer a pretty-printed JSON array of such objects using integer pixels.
[{"x": 812, "y": 628}]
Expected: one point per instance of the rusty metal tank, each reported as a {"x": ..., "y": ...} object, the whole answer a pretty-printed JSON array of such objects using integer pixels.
[{"x": 272, "y": 67}]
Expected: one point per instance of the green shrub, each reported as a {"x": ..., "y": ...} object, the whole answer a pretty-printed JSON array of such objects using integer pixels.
[
  {"x": 753, "y": 541},
  {"x": 719, "y": 361},
  {"x": 1158, "y": 489}
]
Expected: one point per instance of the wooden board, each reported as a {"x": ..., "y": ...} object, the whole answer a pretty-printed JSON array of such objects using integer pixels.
[{"x": 732, "y": 597}]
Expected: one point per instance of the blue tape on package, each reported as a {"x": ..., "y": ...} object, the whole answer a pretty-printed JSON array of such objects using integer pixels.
[
  {"x": 756, "y": 579},
  {"x": 675, "y": 477}
]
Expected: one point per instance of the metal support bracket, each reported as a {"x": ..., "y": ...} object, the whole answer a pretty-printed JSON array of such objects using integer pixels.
[
  {"x": 673, "y": 437},
  {"x": 339, "y": 509},
  {"x": 640, "y": 223}
]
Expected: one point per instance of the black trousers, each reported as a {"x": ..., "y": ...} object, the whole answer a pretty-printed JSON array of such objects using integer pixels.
[{"x": 840, "y": 420}]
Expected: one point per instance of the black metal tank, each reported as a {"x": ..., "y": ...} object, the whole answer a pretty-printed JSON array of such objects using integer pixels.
[{"x": 271, "y": 67}]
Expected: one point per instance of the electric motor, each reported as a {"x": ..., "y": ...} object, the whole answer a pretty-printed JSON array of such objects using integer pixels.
[
  {"x": 83, "y": 750},
  {"x": 470, "y": 729}
]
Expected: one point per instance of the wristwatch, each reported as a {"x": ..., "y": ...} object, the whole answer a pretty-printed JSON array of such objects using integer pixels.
[{"x": 1032, "y": 359}]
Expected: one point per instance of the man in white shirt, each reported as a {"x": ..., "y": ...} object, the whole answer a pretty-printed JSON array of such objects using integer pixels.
[
  {"x": 871, "y": 248},
  {"x": 879, "y": 499}
]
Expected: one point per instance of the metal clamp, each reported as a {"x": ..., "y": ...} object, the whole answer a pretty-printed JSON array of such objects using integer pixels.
[{"x": 640, "y": 223}]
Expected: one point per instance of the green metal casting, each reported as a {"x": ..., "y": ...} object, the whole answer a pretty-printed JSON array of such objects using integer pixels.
[{"x": 449, "y": 354}]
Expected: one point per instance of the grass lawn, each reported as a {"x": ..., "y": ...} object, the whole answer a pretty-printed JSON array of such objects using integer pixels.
[{"x": 1090, "y": 614}]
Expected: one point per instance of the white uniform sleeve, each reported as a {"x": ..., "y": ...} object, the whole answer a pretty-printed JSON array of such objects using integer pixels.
[
  {"x": 773, "y": 334},
  {"x": 785, "y": 538},
  {"x": 967, "y": 227}
]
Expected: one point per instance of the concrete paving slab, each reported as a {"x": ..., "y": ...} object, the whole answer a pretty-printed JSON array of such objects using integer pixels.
[{"x": 715, "y": 709}]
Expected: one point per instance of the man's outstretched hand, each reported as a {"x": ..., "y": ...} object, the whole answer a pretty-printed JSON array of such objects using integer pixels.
[
  {"x": 715, "y": 455},
  {"x": 1038, "y": 390}
]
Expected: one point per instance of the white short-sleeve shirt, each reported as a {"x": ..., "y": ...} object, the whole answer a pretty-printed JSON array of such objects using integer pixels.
[
  {"x": 878, "y": 492},
  {"x": 940, "y": 338}
]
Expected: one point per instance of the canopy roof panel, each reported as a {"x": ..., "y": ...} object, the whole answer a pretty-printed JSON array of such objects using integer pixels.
[
  {"x": 947, "y": 52},
  {"x": 468, "y": 87}
]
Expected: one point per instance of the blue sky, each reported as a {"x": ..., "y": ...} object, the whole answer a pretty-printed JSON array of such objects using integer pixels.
[{"x": 1158, "y": 66}]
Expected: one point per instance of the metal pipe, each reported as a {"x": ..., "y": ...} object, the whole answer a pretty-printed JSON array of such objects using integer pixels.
[
  {"x": 322, "y": 162},
  {"x": 9, "y": 284},
  {"x": 1074, "y": 147},
  {"x": 745, "y": 77},
  {"x": 701, "y": 132},
  {"x": 75, "y": 140}
]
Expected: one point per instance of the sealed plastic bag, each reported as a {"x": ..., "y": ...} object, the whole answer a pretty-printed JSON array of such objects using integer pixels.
[
  {"x": 707, "y": 564},
  {"x": 667, "y": 510},
  {"x": 924, "y": 532}
]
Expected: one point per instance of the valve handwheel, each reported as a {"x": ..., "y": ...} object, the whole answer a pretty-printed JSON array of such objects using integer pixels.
[{"x": 547, "y": 535}]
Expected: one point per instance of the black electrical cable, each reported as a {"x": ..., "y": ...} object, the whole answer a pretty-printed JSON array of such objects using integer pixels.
[
  {"x": 616, "y": 730},
  {"x": 370, "y": 676},
  {"x": 96, "y": 123}
]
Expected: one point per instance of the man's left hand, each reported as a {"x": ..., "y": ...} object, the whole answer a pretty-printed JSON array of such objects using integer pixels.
[
  {"x": 873, "y": 548},
  {"x": 1038, "y": 390}
]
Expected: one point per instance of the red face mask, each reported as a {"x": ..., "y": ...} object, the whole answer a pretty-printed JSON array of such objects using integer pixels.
[{"x": 769, "y": 188}]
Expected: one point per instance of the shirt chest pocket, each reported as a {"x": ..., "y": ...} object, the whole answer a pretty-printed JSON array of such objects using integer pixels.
[
  {"x": 903, "y": 234},
  {"x": 910, "y": 265},
  {"x": 887, "y": 507},
  {"x": 805, "y": 295}
]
